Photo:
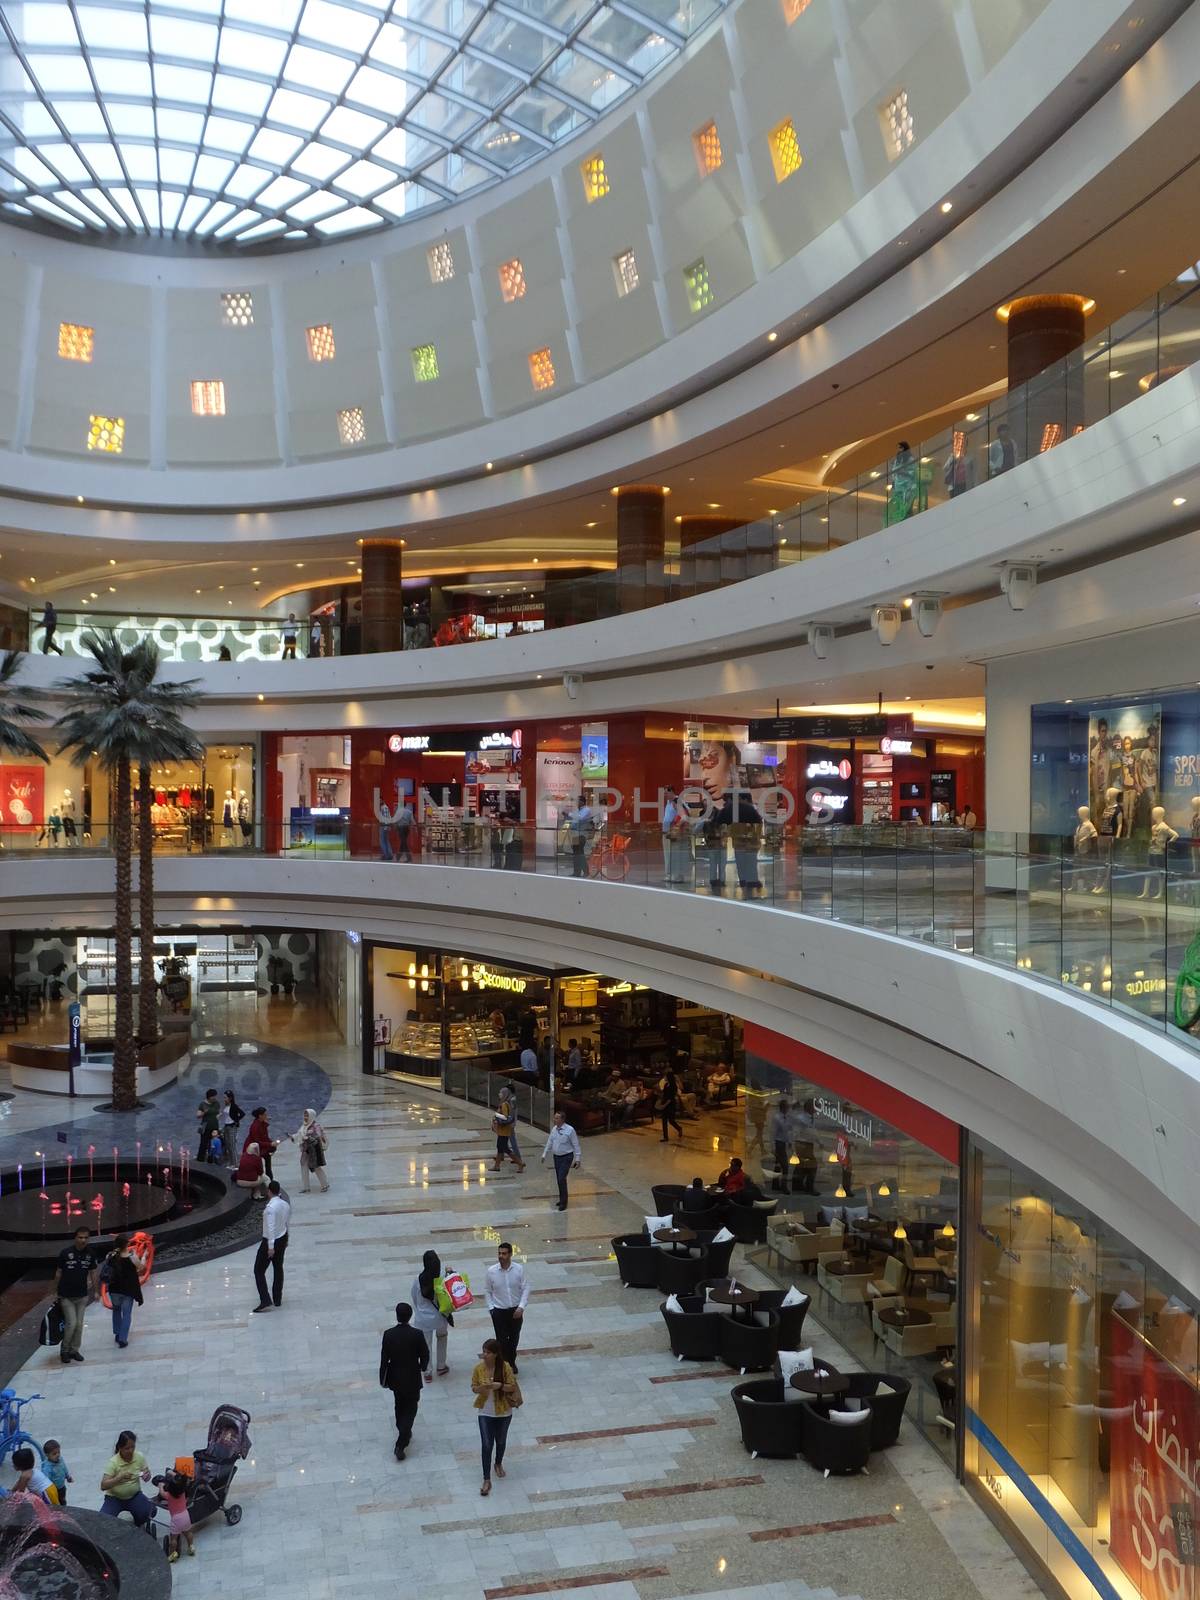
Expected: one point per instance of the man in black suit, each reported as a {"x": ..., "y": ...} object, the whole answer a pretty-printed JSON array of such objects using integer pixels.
[
  {"x": 403, "y": 1359},
  {"x": 694, "y": 1198}
]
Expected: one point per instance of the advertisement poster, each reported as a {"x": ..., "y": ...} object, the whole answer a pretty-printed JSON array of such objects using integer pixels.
[
  {"x": 1155, "y": 1458},
  {"x": 829, "y": 788},
  {"x": 1180, "y": 761},
  {"x": 558, "y": 779},
  {"x": 23, "y": 796},
  {"x": 594, "y": 742},
  {"x": 1123, "y": 754},
  {"x": 720, "y": 757}
]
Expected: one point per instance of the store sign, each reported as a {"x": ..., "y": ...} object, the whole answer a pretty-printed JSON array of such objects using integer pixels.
[
  {"x": 820, "y": 801},
  {"x": 895, "y": 747},
  {"x": 495, "y": 741},
  {"x": 1155, "y": 1451},
  {"x": 487, "y": 979},
  {"x": 862, "y": 1128},
  {"x": 828, "y": 769},
  {"x": 408, "y": 741}
]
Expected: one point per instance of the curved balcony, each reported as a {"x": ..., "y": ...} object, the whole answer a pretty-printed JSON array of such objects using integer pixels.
[
  {"x": 1116, "y": 367},
  {"x": 860, "y": 950}
]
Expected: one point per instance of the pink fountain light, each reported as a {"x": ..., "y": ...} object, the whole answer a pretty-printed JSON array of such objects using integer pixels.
[
  {"x": 139, "y": 1158},
  {"x": 91, "y": 1156},
  {"x": 124, "y": 1191},
  {"x": 114, "y": 1163}
]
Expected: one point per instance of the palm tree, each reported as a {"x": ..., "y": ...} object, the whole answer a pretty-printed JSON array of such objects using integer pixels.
[
  {"x": 16, "y": 710},
  {"x": 114, "y": 713}
]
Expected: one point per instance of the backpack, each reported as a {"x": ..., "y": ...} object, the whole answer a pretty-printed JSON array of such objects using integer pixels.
[{"x": 53, "y": 1323}]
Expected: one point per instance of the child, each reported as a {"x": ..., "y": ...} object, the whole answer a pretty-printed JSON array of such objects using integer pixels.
[
  {"x": 174, "y": 1497},
  {"x": 31, "y": 1479},
  {"x": 56, "y": 1469}
]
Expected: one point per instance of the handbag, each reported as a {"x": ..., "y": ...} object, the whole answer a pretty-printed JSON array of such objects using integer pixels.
[
  {"x": 453, "y": 1292},
  {"x": 515, "y": 1398}
]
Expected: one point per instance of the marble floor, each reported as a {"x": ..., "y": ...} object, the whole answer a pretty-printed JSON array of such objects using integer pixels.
[{"x": 626, "y": 1471}]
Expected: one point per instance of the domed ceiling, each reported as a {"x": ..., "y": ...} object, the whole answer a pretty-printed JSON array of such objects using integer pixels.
[{"x": 250, "y": 123}]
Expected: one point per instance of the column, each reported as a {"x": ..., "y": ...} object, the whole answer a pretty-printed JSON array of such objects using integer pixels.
[
  {"x": 382, "y": 596},
  {"x": 1045, "y": 406},
  {"x": 641, "y": 541},
  {"x": 700, "y": 551}
]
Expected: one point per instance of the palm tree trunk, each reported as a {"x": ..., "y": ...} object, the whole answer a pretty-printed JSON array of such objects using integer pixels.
[
  {"x": 124, "y": 1078},
  {"x": 147, "y": 1029}
]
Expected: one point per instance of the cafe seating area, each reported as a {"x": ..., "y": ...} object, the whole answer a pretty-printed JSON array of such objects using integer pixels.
[{"x": 834, "y": 1420}]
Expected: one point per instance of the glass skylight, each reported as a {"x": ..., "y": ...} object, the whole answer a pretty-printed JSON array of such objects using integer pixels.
[{"x": 246, "y": 122}]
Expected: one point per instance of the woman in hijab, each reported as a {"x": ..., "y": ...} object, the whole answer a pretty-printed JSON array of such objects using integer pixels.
[
  {"x": 426, "y": 1315},
  {"x": 310, "y": 1136}
]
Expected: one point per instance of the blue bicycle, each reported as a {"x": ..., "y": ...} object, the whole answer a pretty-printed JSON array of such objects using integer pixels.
[{"x": 12, "y": 1435}]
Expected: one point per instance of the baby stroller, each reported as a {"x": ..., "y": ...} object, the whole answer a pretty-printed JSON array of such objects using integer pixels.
[{"x": 215, "y": 1466}]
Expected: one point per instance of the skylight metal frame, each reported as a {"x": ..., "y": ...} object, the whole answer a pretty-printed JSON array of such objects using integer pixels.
[{"x": 92, "y": 191}]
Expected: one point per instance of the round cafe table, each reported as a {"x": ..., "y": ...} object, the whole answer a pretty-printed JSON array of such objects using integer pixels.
[
  {"x": 739, "y": 1298},
  {"x": 902, "y": 1317},
  {"x": 847, "y": 1267},
  {"x": 676, "y": 1237},
  {"x": 820, "y": 1383}
]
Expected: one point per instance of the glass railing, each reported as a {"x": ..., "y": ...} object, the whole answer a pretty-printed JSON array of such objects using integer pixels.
[
  {"x": 1121, "y": 929},
  {"x": 1113, "y": 367}
]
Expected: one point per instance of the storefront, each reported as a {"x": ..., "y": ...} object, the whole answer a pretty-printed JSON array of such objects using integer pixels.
[
  {"x": 1083, "y": 1391},
  {"x": 861, "y": 1157}
]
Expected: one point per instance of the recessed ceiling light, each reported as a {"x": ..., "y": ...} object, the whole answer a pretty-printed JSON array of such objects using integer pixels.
[
  {"x": 783, "y": 541},
  {"x": 907, "y": 600},
  {"x": 1179, "y": 500},
  {"x": 1121, "y": 271},
  {"x": 771, "y": 337},
  {"x": 972, "y": 416},
  {"x": 253, "y": 569},
  {"x": 197, "y": 591},
  {"x": 111, "y": 561},
  {"x": 95, "y": 596},
  {"x": 1115, "y": 373},
  {"x": 79, "y": 498},
  {"x": 221, "y": 587},
  {"x": 535, "y": 560},
  {"x": 299, "y": 563},
  {"x": 714, "y": 505},
  {"x": 487, "y": 468},
  {"x": 947, "y": 207},
  {"x": 111, "y": 590},
  {"x": 260, "y": 697}
]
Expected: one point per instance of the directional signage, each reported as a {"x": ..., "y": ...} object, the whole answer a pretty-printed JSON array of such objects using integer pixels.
[{"x": 772, "y": 730}]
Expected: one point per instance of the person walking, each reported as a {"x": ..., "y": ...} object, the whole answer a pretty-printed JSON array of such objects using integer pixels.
[
  {"x": 121, "y": 1484},
  {"x": 209, "y": 1114},
  {"x": 497, "y": 1394},
  {"x": 666, "y": 1104},
  {"x": 277, "y": 1214},
  {"x": 403, "y": 1358},
  {"x": 404, "y": 821},
  {"x": 504, "y": 1122},
  {"x": 562, "y": 1143},
  {"x": 291, "y": 631},
  {"x": 49, "y": 625},
  {"x": 506, "y": 1111},
  {"x": 506, "y": 1296},
  {"x": 427, "y": 1316},
  {"x": 229, "y": 1120},
  {"x": 124, "y": 1287},
  {"x": 75, "y": 1286},
  {"x": 310, "y": 1136},
  {"x": 582, "y": 827},
  {"x": 385, "y": 832}
]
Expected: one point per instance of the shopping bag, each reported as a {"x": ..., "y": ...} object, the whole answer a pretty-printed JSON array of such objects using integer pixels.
[
  {"x": 453, "y": 1292},
  {"x": 51, "y": 1330}
]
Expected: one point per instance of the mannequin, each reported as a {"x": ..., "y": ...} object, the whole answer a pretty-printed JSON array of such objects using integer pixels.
[
  {"x": 1162, "y": 834},
  {"x": 245, "y": 819},
  {"x": 66, "y": 810},
  {"x": 1086, "y": 836},
  {"x": 1112, "y": 818},
  {"x": 228, "y": 815}
]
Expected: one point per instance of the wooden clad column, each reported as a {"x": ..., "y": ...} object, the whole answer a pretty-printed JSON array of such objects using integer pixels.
[
  {"x": 382, "y": 595},
  {"x": 700, "y": 551},
  {"x": 1046, "y": 391},
  {"x": 641, "y": 543}
]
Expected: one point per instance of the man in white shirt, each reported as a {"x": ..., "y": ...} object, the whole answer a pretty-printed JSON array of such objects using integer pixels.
[
  {"x": 563, "y": 1144},
  {"x": 529, "y": 1065},
  {"x": 276, "y": 1216},
  {"x": 507, "y": 1295}
]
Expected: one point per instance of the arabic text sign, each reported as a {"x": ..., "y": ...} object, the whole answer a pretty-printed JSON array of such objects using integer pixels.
[{"x": 1155, "y": 1469}]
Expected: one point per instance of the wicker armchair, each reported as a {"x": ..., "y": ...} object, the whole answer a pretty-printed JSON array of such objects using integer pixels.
[
  {"x": 887, "y": 1403},
  {"x": 832, "y": 1446},
  {"x": 749, "y": 1346},
  {"x": 637, "y": 1261},
  {"x": 694, "y": 1335},
  {"x": 771, "y": 1424}
]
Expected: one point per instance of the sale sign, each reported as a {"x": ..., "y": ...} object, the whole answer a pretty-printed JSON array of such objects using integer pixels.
[
  {"x": 1155, "y": 1485},
  {"x": 21, "y": 791}
]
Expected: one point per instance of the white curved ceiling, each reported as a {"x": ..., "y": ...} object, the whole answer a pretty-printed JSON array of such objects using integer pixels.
[{"x": 240, "y": 122}]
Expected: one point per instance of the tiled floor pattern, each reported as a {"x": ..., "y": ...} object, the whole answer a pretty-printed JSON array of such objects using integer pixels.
[{"x": 626, "y": 1473}]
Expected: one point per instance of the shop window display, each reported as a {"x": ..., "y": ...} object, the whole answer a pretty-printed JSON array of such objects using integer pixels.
[
  {"x": 1083, "y": 1417},
  {"x": 206, "y": 804}
]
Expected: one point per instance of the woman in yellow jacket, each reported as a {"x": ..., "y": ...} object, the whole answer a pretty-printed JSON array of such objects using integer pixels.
[{"x": 496, "y": 1397}]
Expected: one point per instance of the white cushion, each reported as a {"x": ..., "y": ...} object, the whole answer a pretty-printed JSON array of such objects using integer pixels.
[
  {"x": 884, "y": 1387},
  {"x": 849, "y": 1419},
  {"x": 722, "y": 1236},
  {"x": 794, "y": 1361},
  {"x": 856, "y": 1213},
  {"x": 794, "y": 1298},
  {"x": 653, "y": 1224},
  {"x": 672, "y": 1303},
  {"x": 711, "y": 1305}
]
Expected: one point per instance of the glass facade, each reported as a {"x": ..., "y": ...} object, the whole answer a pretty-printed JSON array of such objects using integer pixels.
[
  {"x": 868, "y": 1215},
  {"x": 1083, "y": 1415}
]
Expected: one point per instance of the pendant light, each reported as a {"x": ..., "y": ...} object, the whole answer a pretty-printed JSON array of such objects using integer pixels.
[
  {"x": 793, "y": 1160},
  {"x": 948, "y": 1231},
  {"x": 883, "y": 1190},
  {"x": 901, "y": 1232},
  {"x": 832, "y": 1158},
  {"x": 840, "y": 1192}
]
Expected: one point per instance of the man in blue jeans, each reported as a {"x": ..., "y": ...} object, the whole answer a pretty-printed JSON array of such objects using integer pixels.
[{"x": 563, "y": 1144}]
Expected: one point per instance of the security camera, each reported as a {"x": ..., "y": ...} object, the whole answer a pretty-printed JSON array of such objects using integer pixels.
[
  {"x": 820, "y": 637},
  {"x": 886, "y": 622},
  {"x": 571, "y": 682},
  {"x": 927, "y": 611},
  {"x": 1018, "y": 582}
]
